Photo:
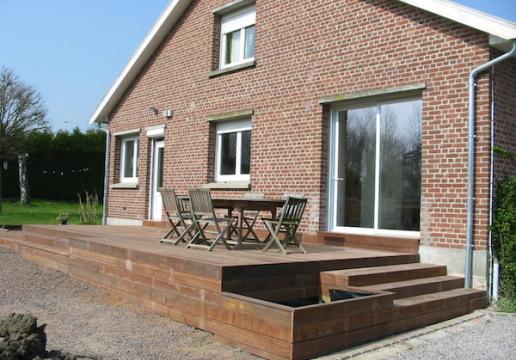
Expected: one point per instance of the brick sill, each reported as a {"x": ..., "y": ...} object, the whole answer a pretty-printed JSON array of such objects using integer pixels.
[
  {"x": 125, "y": 186},
  {"x": 232, "y": 69}
]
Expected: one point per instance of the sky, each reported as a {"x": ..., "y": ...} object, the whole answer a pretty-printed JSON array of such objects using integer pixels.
[{"x": 72, "y": 50}]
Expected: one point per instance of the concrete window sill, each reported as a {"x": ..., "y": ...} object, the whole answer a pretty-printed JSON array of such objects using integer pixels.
[
  {"x": 232, "y": 69},
  {"x": 230, "y": 185},
  {"x": 125, "y": 186}
]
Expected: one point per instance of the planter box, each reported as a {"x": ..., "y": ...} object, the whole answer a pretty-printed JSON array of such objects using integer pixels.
[{"x": 311, "y": 325}]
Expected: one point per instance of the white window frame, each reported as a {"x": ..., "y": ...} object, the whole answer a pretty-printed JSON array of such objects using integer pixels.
[
  {"x": 231, "y": 127},
  {"x": 238, "y": 20},
  {"x": 123, "y": 144},
  {"x": 332, "y": 178}
]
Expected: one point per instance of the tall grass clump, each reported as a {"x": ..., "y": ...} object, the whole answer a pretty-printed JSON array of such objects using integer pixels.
[{"x": 88, "y": 208}]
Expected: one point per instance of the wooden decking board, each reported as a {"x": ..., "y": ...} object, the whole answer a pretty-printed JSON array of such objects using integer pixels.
[
  {"x": 188, "y": 286},
  {"x": 382, "y": 274},
  {"x": 420, "y": 286}
]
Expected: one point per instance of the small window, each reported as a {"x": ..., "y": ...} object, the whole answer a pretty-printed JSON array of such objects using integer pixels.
[
  {"x": 129, "y": 159},
  {"x": 237, "y": 37},
  {"x": 233, "y": 151}
]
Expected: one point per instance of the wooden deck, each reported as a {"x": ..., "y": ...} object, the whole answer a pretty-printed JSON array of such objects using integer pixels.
[{"x": 237, "y": 294}]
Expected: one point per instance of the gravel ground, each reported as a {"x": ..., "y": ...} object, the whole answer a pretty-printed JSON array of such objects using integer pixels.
[
  {"x": 483, "y": 335},
  {"x": 490, "y": 337},
  {"x": 83, "y": 320}
]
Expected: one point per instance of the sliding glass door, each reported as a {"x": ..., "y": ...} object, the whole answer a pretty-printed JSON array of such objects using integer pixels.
[{"x": 376, "y": 167}]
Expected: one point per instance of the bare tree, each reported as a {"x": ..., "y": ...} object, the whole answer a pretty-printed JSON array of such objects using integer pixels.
[{"x": 21, "y": 111}]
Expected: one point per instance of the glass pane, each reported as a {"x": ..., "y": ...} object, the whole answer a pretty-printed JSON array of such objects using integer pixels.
[
  {"x": 159, "y": 170},
  {"x": 356, "y": 168},
  {"x": 250, "y": 33},
  {"x": 228, "y": 153},
  {"x": 245, "y": 158},
  {"x": 400, "y": 166},
  {"x": 232, "y": 47},
  {"x": 128, "y": 159}
]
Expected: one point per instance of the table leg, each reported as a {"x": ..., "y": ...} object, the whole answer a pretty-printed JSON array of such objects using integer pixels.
[
  {"x": 230, "y": 231},
  {"x": 240, "y": 216}
]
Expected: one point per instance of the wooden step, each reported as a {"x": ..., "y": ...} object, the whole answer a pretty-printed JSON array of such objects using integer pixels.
[
  {"x": 423, "y": 310},
  {"x": 409, "y": 288},
  {"x": 39, "y": 246},
  {"x": 397, "y": 244},
  {"x": 61, "y": 232},
  {"x": 381, "y": 274},
  {"x": 420, "y": 304},
  {"x": 49, "y": 241}
]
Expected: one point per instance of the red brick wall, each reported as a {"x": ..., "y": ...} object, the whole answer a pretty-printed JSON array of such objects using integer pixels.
[
  {"x": 304, "y": 51},
  {"x": 504, "y": 84}
]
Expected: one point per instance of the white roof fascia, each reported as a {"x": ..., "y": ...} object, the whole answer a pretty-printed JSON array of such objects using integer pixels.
[
  {"x": 475, "y": 19},
  {"x": 147, "y": 48}
]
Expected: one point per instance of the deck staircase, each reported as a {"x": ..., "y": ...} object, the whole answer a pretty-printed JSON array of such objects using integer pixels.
[{"x": 423, "y": 293}]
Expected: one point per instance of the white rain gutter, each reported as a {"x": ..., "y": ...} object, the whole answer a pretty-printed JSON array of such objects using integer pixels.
[
  {"x": 105, "y": 128},
  {"x": 468, "y": 272}
]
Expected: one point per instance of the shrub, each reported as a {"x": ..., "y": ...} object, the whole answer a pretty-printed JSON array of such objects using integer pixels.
[
  {"x": 88, "y": 208},
  {"x": 504, "y": 235}
]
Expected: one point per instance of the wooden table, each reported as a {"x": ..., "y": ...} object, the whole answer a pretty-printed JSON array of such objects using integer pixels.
[{"x": 242, "y": 205}]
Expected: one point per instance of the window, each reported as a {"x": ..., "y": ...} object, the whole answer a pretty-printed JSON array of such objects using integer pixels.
[
  {"x": 129, "y": 159},
  {"x": 233, "y": 151},
  {"x": 237, "y": 37},
  {"x": 377, "y": 167}
]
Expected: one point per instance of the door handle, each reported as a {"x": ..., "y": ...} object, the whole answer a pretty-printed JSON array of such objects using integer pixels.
[{"x": 338, "y": 179}]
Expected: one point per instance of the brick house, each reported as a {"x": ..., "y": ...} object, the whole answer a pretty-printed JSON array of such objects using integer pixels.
[{"x": 359, "y": 105}]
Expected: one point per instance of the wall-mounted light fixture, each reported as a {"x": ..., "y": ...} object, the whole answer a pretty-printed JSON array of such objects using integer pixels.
[{"x": 168, "y": 113}]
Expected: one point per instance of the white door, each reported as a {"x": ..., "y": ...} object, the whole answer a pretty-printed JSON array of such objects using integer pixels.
[{"x": 157, "y": 180}]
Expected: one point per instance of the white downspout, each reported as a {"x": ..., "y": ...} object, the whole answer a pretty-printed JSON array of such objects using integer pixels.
[
  {"x": 106, "y": 173},
  {"x": 468, "y": 272}
]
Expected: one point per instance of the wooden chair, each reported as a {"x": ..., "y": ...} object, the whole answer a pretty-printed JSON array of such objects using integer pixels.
[
  {"x": 203, "y": 215},
  {"x": 287, "y": 224},
  {"x": 178, "y": 213}
]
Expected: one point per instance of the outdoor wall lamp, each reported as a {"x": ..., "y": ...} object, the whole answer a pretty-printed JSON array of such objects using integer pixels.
[{"x": 168, "y": 114}]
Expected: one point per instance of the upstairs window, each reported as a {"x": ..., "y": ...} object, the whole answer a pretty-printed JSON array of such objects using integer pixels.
[
  {"x": 233, "y": 151},
  {"x": 237, "y": 37},
  {"x": 129, "y": 159}
]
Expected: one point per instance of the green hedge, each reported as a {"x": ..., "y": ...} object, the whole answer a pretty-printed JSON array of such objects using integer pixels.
[
  {"x": 60, "y": 165},
  {"x": 504, "y": 235}
]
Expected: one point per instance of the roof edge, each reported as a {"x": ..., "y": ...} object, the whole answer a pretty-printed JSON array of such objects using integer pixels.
[
  {"x": 465, "y": 15},
  {"x": 150, "y": 43}
]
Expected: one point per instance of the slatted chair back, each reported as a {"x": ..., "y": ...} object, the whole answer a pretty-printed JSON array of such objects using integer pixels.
[
  {"x": 292, "y": 211},
  {"x": 287, "y": 224},
  {"x": 200, "y": 203},
  {"x": 203, "y": 214},
  {"x": 177, "y": 211},
  {"x": 170, "y": 202}
]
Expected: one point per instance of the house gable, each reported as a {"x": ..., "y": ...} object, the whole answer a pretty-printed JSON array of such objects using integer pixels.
[{"x": 500, "y": 32}]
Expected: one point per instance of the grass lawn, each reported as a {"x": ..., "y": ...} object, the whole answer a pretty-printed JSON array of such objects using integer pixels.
[{"x": 40, "y": 212}]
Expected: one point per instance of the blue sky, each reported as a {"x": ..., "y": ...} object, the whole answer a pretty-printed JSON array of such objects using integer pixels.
[{"x": 72, "y": 50}]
